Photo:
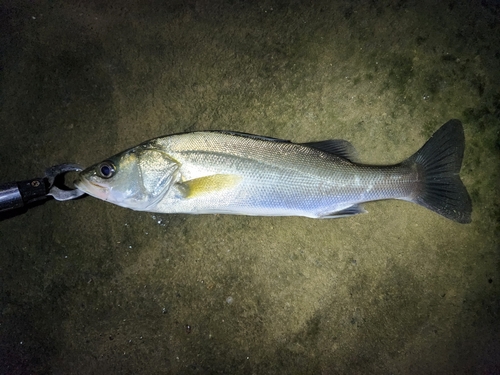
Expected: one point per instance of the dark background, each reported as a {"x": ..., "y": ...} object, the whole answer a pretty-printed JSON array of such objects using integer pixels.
[{"x": 90, "y": 288}]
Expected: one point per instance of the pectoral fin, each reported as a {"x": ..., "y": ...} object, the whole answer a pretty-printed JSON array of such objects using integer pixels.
[{"x": 208, "y": 184}]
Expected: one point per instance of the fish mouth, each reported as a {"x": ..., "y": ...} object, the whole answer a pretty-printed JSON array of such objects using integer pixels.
[{"x": 91, "y": 188}]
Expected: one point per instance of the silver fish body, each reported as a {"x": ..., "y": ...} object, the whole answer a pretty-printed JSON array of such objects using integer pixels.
[{"x": 234, "y": 173}]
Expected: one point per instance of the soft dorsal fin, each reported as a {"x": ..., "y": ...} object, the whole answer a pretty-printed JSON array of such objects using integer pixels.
[{"x": 338, "y": 147}]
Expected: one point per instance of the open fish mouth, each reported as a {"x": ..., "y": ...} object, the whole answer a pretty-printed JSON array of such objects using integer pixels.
[{"x": 91, "y": 188}]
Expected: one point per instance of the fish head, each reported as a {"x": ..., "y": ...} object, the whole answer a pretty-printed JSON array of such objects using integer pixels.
[{"x": 137, "y": 178}]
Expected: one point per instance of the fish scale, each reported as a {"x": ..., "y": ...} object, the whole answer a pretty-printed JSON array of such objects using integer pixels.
[{"x": 237, "y": 173}]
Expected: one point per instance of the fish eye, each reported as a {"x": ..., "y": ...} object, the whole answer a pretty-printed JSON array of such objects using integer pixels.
[{"x": 106, "y": 169}]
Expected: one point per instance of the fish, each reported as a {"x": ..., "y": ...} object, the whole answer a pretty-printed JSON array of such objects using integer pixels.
[{"x": 228, "y": 172}]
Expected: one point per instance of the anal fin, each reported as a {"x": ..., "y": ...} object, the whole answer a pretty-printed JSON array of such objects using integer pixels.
[{"x": 346, "y": 212}]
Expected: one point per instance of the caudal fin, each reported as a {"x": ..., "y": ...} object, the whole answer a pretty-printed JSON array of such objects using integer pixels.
[{"x": 439, "y": 162}]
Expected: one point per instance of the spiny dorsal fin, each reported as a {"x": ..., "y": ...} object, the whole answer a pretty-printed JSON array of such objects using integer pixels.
[
  {"x": 338, "y": 147},
  {"x": 252, "y": 136}
]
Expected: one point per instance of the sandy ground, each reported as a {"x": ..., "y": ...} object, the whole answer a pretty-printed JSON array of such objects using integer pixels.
[{"x": 90, "y": 288}]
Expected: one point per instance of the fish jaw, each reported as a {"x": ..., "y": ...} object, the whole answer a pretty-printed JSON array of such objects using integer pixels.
[
  {"x": 136, "y": 178},
  {"x": 93, "y": 189}
]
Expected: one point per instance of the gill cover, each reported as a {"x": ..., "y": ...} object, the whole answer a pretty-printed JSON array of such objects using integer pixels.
[
  {"x": 141, "y": 177},
  {"x": 157, "y": 171}
]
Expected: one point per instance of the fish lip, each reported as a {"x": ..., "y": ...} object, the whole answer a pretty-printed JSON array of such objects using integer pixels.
[{"x": 88, "y": 187}]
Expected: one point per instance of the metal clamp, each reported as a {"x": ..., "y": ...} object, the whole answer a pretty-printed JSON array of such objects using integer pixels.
[{"x": 15, "y": 195}]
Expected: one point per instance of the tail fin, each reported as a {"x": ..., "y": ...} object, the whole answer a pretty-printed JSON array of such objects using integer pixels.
[{"x": 439, "y": 162}]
